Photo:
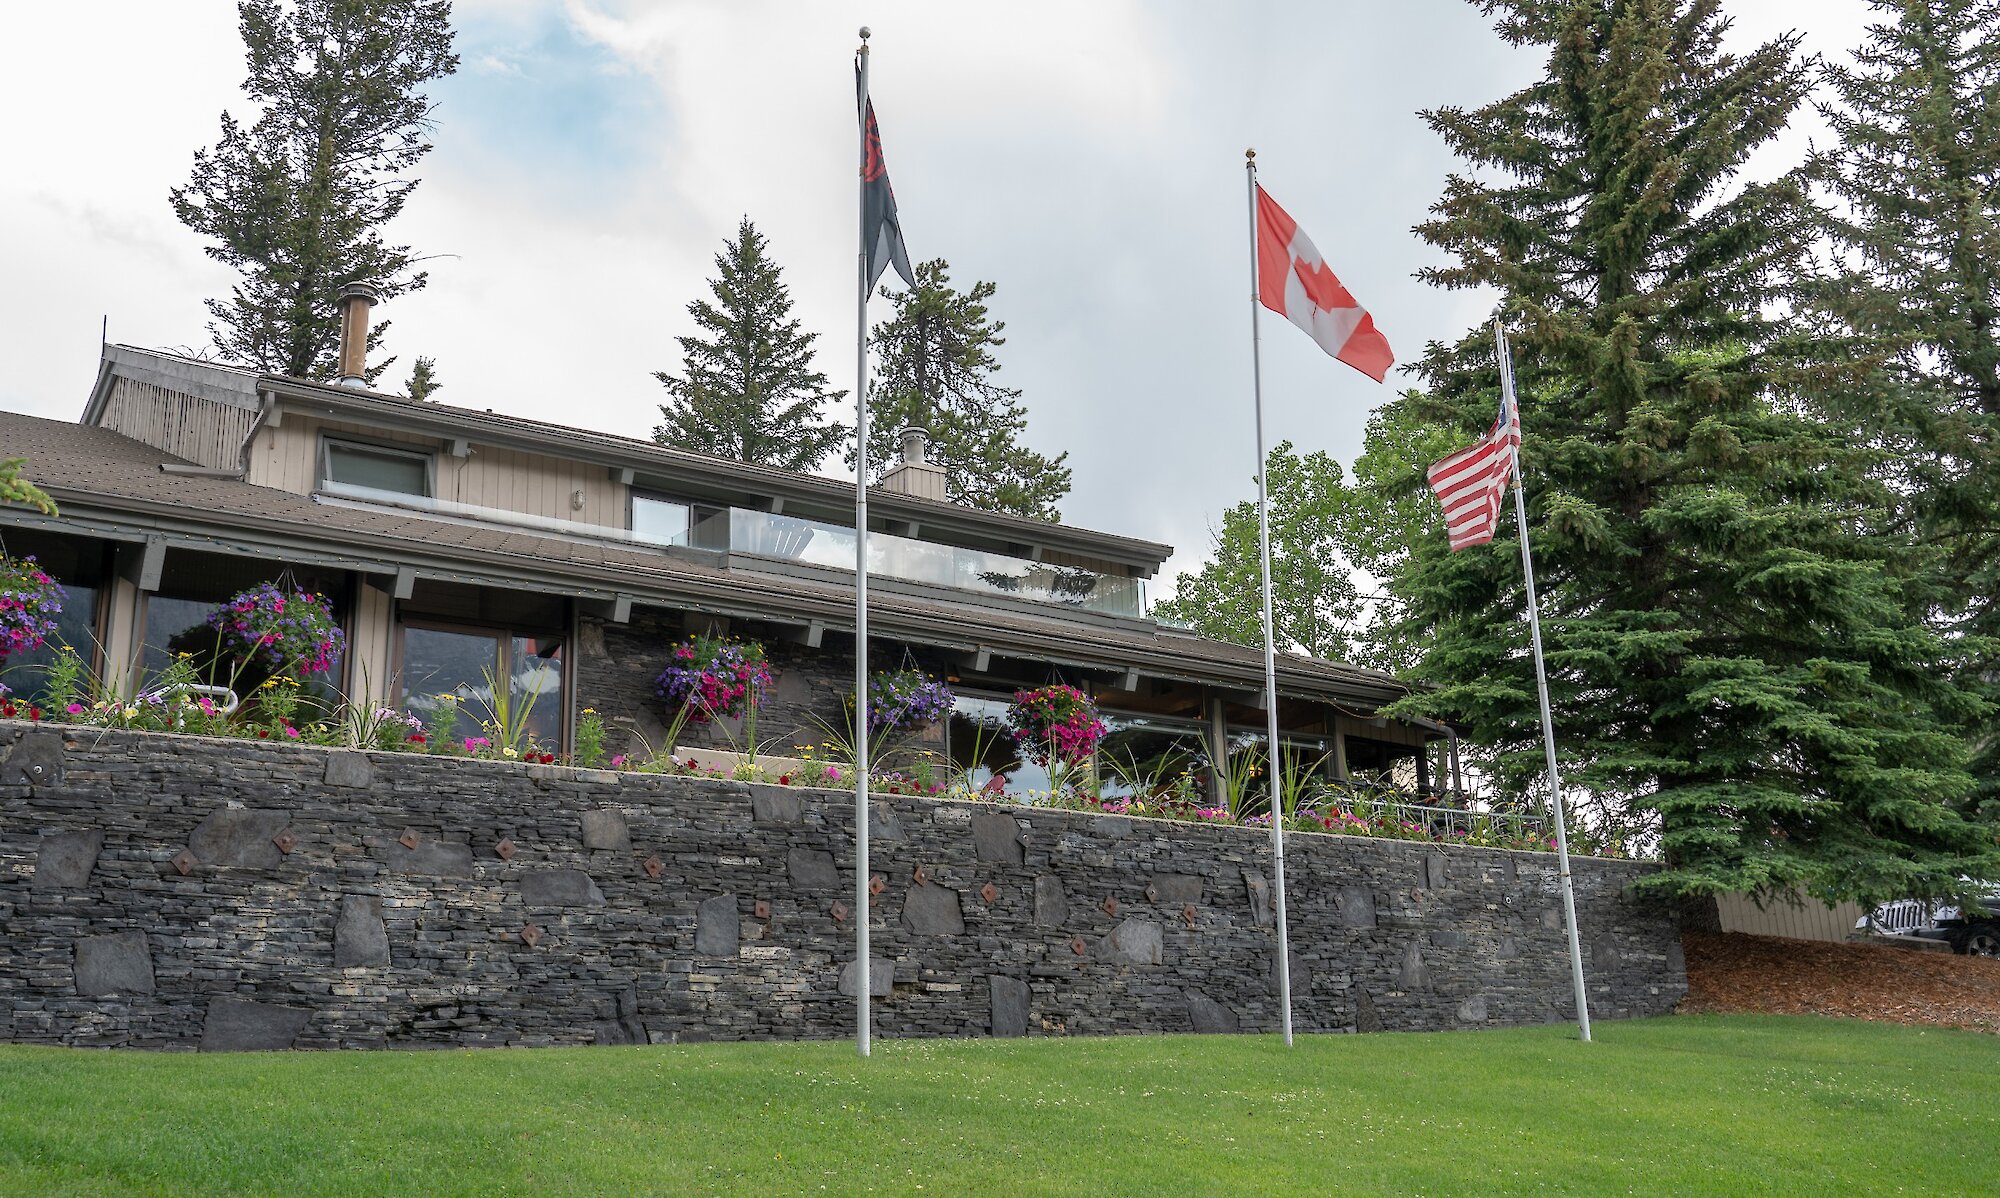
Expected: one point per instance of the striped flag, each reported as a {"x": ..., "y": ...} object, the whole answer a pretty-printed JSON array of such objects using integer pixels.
[{"x": 1472, "y": 482}]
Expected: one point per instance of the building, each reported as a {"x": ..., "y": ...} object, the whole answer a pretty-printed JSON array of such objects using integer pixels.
[{"x": 457, "y": 544}]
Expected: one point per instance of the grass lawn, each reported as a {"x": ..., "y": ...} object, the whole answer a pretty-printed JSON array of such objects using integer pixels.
[{"x": 1689, "y": 1105}]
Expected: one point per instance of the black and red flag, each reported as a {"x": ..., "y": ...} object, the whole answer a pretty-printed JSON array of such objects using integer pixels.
[{"x": 881, "y": 232}]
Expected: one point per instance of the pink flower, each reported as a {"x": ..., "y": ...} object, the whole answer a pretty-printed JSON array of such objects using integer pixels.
[
  {"x": 832, "y": 773},
  {"x": 291, "y": 732},
  {"x": 618, "y": 761},
  {"x": 74, "y": 709}
]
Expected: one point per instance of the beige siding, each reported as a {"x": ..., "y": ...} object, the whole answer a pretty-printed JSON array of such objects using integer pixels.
[
  {"x": 1809, "y": 920},
  {"x": 371, "y": 649},
  {"x": 187, "y": 426},
  {"x": 287, "y": 457}
]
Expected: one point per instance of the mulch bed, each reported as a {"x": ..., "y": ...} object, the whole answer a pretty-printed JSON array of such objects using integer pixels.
[{"x": 1733, "y": 973}]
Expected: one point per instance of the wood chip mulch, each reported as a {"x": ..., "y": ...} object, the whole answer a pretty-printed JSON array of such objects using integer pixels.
[{"x": 1733, "y": 973}]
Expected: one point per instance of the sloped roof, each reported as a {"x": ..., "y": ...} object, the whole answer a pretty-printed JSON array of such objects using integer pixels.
[
  {"x": 111, "y": 485},
  {"x": 443, "y": 419}
]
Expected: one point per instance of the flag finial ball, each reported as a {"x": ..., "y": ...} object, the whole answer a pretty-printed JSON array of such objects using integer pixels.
[
  {"x": 864, "y": 33},
  {"x": 1250, "y": 154}
]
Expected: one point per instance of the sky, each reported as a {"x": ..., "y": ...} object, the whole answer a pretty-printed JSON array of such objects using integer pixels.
[{"x": 592, "y": 155}]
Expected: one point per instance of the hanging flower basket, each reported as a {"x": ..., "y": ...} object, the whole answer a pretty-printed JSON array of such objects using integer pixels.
[
  {"x": 279, "y": 629},
  {"x": 1055, "y": 725},
  {"x": 30, "y": 601},
  {"x": 712, "y": 678},
  {"x": 906, "y": 700}
]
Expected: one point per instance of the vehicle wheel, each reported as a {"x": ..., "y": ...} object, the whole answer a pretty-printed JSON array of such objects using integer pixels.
[{"x": 1981, "y": 940}]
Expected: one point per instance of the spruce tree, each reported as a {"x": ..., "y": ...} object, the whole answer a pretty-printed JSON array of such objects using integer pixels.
[
  {"x": 1313, "y": 601},
  {"x": 1735, "y": 656},
  {"x": 935, "y": 369},
  {"x": 297, "y": 201},
  {"x": 424, "y": 381},
  {"x": 1914, "y": 185},
  {"x": 747, "y": 388}
]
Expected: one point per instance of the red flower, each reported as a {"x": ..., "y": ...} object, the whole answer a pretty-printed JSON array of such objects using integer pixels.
[
  {"x": 417, "y": 738},
  {"x": 784, "y": 779},
  {"x": 34, "y": 713},
  {"x": 263, "y": 732},
  {"x": 548, "y": 759}
]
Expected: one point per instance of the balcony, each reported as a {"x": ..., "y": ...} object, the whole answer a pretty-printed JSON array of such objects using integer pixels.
[{"x": 812, "y": 543}]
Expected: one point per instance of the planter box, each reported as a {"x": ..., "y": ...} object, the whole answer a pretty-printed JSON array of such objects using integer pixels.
[{"x": 772, "y": 765}]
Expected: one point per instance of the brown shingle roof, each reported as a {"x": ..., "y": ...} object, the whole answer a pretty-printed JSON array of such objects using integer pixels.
[{"x": 103, "y": 479}]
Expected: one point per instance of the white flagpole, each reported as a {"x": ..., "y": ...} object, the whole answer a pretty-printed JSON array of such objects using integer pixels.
[
  {"x": 1542, "y": 689},
  {"x": 861, "y": 871},
  {"x": 1274, "y": 757}
]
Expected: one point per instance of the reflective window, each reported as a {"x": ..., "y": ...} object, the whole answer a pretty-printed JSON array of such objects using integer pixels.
[
  {"x": 467, "y": 663},
  {"x": 1148, "y": 755},
  {"x": 379, "y": 469},
  {"x": 79, "y": 567},
  {"x": 978, "y": 743}
]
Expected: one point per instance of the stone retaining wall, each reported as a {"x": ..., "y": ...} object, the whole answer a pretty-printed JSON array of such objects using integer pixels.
[{"x": 178, "y": 892}]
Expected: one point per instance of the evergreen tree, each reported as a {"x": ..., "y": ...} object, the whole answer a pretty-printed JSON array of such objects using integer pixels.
[
  {"x": 935, "y": 370},
  {"x": 423, "y": 379},
  {"x": 1915, "y": 185},
  {"x": 297, "y": 201},
  {"x": 1313, "y": 601},
  {"x": 748, "y": 389},
  {"x": 1735, "y": 656}
]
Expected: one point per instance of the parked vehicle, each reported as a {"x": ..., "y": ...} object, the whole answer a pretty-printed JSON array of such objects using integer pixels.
[{"x": 1973, "y": 930}]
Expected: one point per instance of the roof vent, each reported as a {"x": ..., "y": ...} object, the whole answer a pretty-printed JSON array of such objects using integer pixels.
[
  {"x": 915, "y": 474},
  {"x": 357, "y": 304}
]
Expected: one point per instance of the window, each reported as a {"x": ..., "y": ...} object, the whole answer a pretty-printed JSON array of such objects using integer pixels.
[
  {"x": 1150, "y": 753},
  {"x": 79, "y": 565},
  {"x": 377, "y": 468},
  {"x": 471, "y": 664},
  {"x": 192, "y": 584}
]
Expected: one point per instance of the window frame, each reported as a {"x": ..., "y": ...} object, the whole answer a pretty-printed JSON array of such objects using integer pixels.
[
  {"x": 505, "y": 635},
  {"x": 328, "y": 442}
]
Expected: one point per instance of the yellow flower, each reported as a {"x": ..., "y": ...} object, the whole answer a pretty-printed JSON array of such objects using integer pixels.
[
  {"x": 447, "y": 697},
  {"x": 590, "y": 711},
  {"x": 510, "y": 752},
  {"x": 183, "y": 656},
  {"x": 268, "y": 684},
  {"x": 131, "y": 713}
]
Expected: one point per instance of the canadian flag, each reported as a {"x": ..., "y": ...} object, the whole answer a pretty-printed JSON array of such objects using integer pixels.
[{"x": 1293, "y": 280}]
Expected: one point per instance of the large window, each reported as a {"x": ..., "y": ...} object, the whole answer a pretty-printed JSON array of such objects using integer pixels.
[
  {"x": 493, "y": 674},
  {"x": 192, "y": 584},
  {"x": 1150, "y": 753},
  {"x": 79, "y": 565},
  {"x": 376, "y": 467},
  {"x": 978, "y": 743}
]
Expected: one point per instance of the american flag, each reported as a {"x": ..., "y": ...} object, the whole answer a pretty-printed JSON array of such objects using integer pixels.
[{"x": 1472, "y": 482}]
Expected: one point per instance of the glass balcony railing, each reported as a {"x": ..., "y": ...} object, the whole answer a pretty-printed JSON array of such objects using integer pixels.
[{"x": 791, "y": 539}]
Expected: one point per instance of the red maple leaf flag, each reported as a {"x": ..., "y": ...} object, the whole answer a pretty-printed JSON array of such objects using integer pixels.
[{"x": 1294, "y": 281}]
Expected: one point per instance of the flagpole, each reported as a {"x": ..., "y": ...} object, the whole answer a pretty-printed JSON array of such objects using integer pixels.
[
  {"x": 1275, "y": 758},
  {"x": 861, "y": 871},
  {"x": 1542, "y": 690}
]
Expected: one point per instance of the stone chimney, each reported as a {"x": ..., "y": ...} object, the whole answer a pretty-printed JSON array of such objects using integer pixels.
[
  {"x": 357, "y": 305},
  {"x": 915, "y": 475}
]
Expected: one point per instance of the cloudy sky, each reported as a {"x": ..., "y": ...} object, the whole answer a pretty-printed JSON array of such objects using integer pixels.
[{"x": 593, "y": 154}]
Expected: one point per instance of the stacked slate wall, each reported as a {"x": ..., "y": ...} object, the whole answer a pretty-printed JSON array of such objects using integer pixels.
[{"x": 179, "y": 892}]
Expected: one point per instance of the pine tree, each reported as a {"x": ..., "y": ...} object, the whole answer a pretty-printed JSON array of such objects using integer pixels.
[
  {"x": 423, "y": 379},
  {"x": 297, "y": 201},
  {"x": 1736, "y": 659},
  {"x": 748, "y": 390},
  {"x": 1915, "y": 218},
  {"x": 1313, "y": 601},
  {"x": 935, "y": 370}
]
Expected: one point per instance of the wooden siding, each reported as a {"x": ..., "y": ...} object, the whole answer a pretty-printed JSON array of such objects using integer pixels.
[
  {"x": 287, "y": 457},
  {"x": 187, "y": 426},
  {"x": 1809, "y": 920}
]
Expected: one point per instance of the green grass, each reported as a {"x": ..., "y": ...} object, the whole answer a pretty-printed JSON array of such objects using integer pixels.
[{"x": 1689, "y": 1105}]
